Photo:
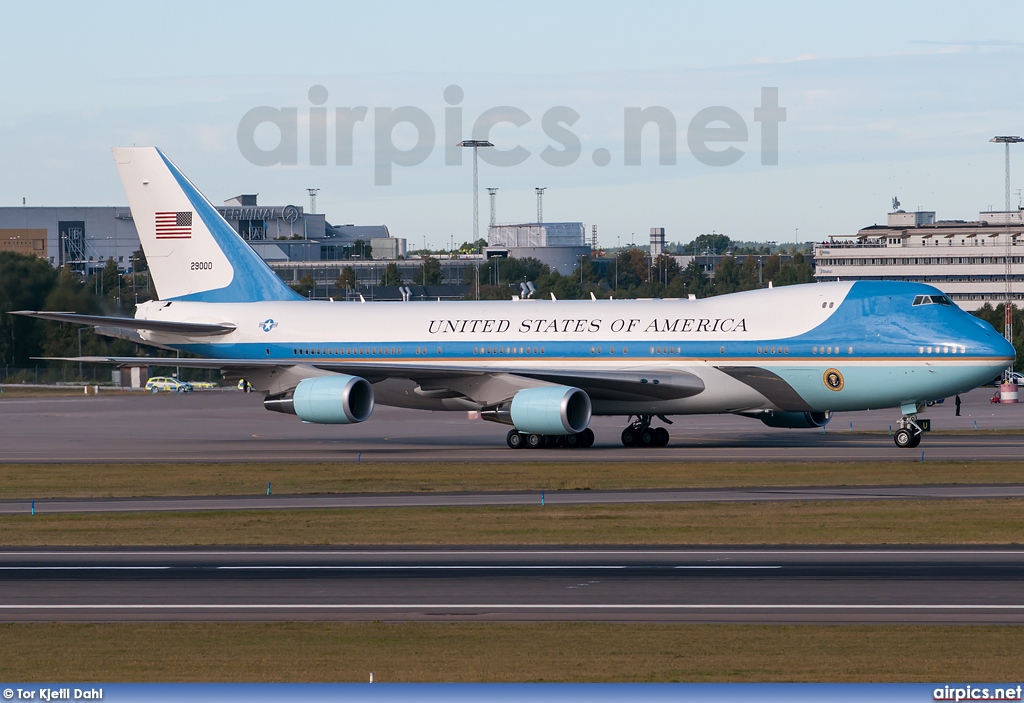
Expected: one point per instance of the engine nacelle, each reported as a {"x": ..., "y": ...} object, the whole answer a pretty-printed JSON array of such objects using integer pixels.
[
  {"x": 794, "y": 420},
  {"x": 326, "y": 400},
  {"x": 551, "y": 410}
]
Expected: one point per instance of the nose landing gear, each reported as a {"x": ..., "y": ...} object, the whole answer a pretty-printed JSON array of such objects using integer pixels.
[
  {"x": 911, "y": 427},
  {"x": 641, "y": 434}
]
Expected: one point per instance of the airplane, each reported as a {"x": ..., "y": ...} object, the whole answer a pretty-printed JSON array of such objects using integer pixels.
[{"x": 787, "y": 356}]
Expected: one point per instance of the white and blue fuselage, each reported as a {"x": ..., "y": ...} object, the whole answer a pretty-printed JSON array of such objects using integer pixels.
[{"x": 760, "y": 350}]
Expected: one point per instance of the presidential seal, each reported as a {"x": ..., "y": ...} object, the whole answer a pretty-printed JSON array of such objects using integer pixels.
[{"x": 833, "y": 380}]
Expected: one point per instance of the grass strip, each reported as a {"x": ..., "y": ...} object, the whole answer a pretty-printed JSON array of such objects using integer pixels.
[
  {"x": 507, "y": 652},
  {"x": 39, "y": 481},
  {"x": 998, "y": 521}
]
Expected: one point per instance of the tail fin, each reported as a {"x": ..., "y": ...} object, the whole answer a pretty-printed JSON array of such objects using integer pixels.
[{"x": 192, "y": 252}]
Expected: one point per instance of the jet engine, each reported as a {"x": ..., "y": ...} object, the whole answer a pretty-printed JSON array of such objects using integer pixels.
[
  {"x": 794, "y": 420},
  {"x": 550, "y": 410},
  {"x": 329, "y": 400}
]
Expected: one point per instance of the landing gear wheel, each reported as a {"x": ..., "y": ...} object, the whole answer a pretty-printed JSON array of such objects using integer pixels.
[
  {"x": 535, "y": 441},
  {"x": 647, "y": 437},
  {"x": 586, "y": 438},
  {"x": 905, "y": 438},
  {"x": 629, "y": 437},
  {"x": 514, "y": 439},
  {"x": 572, "y": 441},
  {"x": 660, "y": 437}
]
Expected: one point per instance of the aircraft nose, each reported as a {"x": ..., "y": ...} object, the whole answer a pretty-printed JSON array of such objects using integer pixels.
[
  {"x": 993, "y": 344},
  {"x": 1005, "y": 348}
]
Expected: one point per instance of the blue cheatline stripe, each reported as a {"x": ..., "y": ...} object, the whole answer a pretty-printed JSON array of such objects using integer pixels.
[
  {"x": 253, "y": 280},
  {"x": 692, "y": 352}
]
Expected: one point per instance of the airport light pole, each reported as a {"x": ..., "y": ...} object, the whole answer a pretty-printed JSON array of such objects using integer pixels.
[
  {"x": 1008, "y": 304},
  {"x": 475, "y": 144}
]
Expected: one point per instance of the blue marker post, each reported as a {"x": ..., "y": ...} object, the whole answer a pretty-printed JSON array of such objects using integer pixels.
[
  {"x": 851, "y": 427},
  {"x": 922, "y": 456},
  {"x": 268, "y": 487},
  {"x": 542, "y": 498},
  {"x": 975, "y": 424},
  {"x": 359, "y": 457},
  {"x": 33, "y": 507}
]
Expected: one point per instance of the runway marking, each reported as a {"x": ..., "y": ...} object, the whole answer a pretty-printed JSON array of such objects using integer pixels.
[
  {"x": 505, "y": 606},
  {"x": 425, "y": 567},
  {"x": 371, "y": 567}
]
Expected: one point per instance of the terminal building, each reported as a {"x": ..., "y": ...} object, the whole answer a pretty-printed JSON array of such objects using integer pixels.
[{"x": 967, "y": 260}]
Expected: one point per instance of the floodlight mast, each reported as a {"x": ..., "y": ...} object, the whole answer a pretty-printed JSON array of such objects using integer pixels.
[
  {"x": 475, "y": 144},
  {"x": 1008, "y": 255}
]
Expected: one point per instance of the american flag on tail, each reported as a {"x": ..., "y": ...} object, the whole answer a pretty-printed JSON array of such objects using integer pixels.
[{"x": 174, "y": 225}]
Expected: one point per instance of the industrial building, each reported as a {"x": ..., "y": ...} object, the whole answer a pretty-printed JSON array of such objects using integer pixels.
[
  {"x": 557, "y": 244},
  {"x": 967, "y": 260},
  {"x": 85, "y": 238}
]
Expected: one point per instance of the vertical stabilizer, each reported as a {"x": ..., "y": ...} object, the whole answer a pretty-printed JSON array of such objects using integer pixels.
[{"x": 192, "y": 252}]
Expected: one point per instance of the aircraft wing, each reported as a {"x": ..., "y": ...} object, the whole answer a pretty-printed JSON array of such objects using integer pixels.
[
  {"x": 191, "y": 329},
  {"x": 487, "y": 386}
]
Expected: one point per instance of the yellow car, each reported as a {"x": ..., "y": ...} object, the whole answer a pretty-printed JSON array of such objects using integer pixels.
[{"x": 166, "y": 383}]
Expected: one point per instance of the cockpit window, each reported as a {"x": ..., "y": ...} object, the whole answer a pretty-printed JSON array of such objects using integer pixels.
[{"x": 932, "y": 300}]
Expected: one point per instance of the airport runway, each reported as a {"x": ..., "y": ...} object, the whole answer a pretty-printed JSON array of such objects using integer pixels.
[
  {"x": 506, "y": 498},
  {"x": 232, "y": 426},
  {"x": 954, "y": 585}
]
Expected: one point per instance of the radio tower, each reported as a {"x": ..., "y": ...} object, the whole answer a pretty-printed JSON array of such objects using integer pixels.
[
  {"x": 540, "y": 203},
  {"x": 312, "y": 199},
  {"x": 1008, "y": 255}
]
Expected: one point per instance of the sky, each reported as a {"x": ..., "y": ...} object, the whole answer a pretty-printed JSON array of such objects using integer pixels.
[{"x": 880, "y": 100}]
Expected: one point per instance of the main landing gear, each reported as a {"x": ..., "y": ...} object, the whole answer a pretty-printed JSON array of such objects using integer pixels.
[
  {"x": 908, "y": 434},
  {"x": 580, "y": 440},
  {"x": 641, "y": 434}
]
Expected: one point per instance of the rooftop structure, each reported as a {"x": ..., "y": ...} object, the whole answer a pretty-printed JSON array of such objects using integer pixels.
[{"x": 964, "y": 259}]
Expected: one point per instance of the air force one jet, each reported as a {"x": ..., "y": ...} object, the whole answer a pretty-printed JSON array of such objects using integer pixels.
[{"x": 788, "y": 356}]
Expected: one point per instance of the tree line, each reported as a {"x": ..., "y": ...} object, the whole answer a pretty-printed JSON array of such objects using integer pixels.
[{"x": 30, "y": 283}]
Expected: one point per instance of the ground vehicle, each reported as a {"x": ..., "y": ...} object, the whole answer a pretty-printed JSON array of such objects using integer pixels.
[{"x": 166, "y": 383}]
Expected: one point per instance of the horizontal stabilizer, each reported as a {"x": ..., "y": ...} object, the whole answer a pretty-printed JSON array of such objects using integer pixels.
[{"x": 191, "y": 329}]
